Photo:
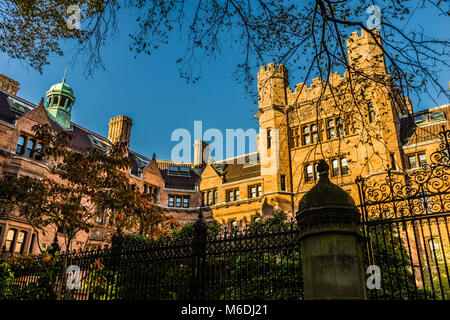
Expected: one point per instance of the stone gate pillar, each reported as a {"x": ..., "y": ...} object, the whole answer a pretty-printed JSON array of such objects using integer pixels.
[{"x": 330, "y": 242}]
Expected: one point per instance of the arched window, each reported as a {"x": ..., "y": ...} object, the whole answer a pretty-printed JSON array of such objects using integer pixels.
[
  {"x": 38, "y": 154},
  {"x": 21, "y": 144},
  {"x": 63, "y": 101},
  {"x": 30, "y": 149}
]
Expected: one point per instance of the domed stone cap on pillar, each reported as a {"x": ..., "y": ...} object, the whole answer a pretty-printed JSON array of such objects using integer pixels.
[{"x": 325, "y": 194}]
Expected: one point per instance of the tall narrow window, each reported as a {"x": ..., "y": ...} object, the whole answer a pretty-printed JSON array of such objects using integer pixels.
[
  {"x": 20, "y": 242},
  {"x": 269, "y": 138},
  {"x": 252, "y": 192},
  {"x": 306, "y": 137},
  {"x": 171, "y": 201},
  {"x": 185, "y": 202},
  {"x": 236, "y": 194},
  {"x": 30, "y": 149},
  {"x": 38, "y": 154},
  {"x": 9, "y": 239},
  {"x": 21, "y": 144},
  {"x": 330, "y": 129},
  {"x": 422, "y": 159},
  {"x": 412, "y": 163},
  {"x": 340, "y": 127},
  {"x": 230, "y": 195},
  {"x": 215, "y": 197},
  {"x": 335, "y": 165},
  {"x": 210, "y": 197},
  {"x": 344, "y": 166},
  {"x": 309, "y": 175},
  {"x": 393, "y": 166},
  {"x": 178, "y": 202},
  {"x": 314, "y": 133},
  {"x": 283, "y": 182},
  {"x": 259, "y": 191}
]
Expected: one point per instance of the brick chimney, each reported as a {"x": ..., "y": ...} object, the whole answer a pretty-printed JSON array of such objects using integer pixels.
[
  {"x": 120, "y": 129},
  {"x": 9, "y": 85}
]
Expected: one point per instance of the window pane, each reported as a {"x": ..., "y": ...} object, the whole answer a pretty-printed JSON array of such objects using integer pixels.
[
  {"x": 283, "y": 183},
  {"x": 259, "y": 191},
  {"x": 331, "y": 133},
  {"x": 331, "y": 123},
  {"x": 252, "y": 192},
  {"x": 216, "y": 196},
  {"x": 309, "y": 173},
  {"x": 314, "y": 127},
  {"x": 20, "y": 242},
  {"x": 305, "y": 129},
  {"x": 422, "y": 159},
  {"x": 210, "y": 198},
  {"x": 178, "y": 203},
  {"x": 412, "y": 162},
  {"x": 237, "y": 195},
  {"x": 9, "y": 239},
  {"x": 30, "y": 146},
  {"x": 344, "y": 166},
  {"x": 186, "y": 202},
  {"x": 20, "y": 145},
  {"x": 335, "y": 165},
  {"x": 306, "y": 140},
  {"x": 171, "y": 201}
]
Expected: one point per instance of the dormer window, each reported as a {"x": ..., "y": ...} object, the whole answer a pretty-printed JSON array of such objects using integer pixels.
[{"x": 179, "y": 170}]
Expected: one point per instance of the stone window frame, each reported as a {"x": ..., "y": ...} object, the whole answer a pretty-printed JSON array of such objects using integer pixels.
[
  {"x": 258, "y": 191},
  {"x": 336, "y": 127},
  {"x": 234, "y": 192},
  {"x": 417, "y": 161},
  {"x": 340, "y": 168},
  {"x": 311, "y": 135},
  {"x": 27, "y": 245},
  {"x": 315, "y": 173},
  {"x": 206, "y": 197},
  {"x": 36, "y": 153}
]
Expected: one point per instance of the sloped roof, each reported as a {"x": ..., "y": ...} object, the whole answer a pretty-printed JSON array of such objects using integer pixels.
[{"x": 424, "y": 125}]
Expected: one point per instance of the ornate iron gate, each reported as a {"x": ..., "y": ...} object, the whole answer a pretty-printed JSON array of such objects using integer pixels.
[{"x": 405, "y": 218}]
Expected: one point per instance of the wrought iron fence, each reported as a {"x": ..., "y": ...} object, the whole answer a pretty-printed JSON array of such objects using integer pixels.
[
  {"x": 252, "y": 263},
  {"x": 406, "y": 221}
]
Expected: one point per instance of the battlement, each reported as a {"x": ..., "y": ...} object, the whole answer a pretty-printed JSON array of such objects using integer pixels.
[
  {"x": 272, "y": 70},
  {"x": 363, "y": 54},
  {"x": 364, "y": 38}
]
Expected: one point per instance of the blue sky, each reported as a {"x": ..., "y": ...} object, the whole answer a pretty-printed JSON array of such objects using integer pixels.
[{"x": 149, "y": 90}]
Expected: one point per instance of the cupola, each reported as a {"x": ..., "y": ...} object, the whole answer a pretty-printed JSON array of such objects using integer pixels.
[{"x": 60, "y": 99}]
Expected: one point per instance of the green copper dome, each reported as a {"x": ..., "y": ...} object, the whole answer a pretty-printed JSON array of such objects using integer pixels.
[{"x": 60, "y": 99}]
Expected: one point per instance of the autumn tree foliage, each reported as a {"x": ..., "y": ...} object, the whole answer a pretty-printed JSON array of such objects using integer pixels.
[{"x": 83, "y": 185}]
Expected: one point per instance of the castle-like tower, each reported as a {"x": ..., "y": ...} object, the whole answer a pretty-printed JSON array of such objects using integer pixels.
[{"x": 356, "y": 135}]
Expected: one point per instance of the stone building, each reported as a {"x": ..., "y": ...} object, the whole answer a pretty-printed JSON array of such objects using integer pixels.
[
  {"x": 313, "y": 122},
  {"x": 297, "y": 128},
  {"x": 173, "y": 185}
]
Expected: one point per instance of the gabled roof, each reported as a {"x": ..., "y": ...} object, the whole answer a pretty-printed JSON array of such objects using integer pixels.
[{"x": 13, "y": 107}]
